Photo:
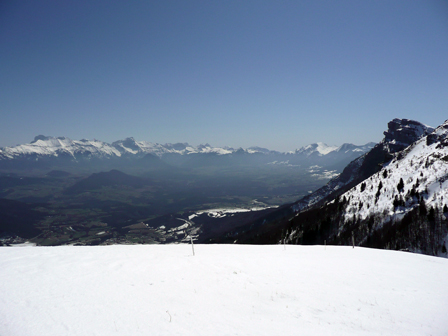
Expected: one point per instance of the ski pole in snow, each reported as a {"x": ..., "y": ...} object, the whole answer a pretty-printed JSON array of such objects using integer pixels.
[
  {"x": 192, "y": 245},
  {"x": 353, "y": 240}
]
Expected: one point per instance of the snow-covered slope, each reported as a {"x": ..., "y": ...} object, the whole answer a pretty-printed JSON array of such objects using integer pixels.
[
  {"x": 52, "y": 146},
  {"x": 347, "y": 147},
  {"x": 222, "y": 290},
  {"x": 400, "y": 134},
  {"x": 318, "y": 148},
  {"x": 404, "y": 205},
  {"x": 322, "y": 149},
  {"x": 131, "y": 146},
  {"x": 420, "y": 171},
  {"x": 393, "y": 197}
]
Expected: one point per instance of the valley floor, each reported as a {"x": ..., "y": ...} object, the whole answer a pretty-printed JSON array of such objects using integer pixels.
[{"x": 222, "y": 290}]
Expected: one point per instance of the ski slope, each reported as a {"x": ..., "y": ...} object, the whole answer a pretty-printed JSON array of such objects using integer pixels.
[{"x": 222, "y": 290}]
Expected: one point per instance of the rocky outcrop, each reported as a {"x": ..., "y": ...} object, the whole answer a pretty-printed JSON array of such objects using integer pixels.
[{"x": 403, "y": 132}]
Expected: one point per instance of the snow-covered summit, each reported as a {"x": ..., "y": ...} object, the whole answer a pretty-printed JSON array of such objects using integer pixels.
[
  {"x": 318, "y": 148},
  {"x": 57, "y": 146},
  {"x": 348, "y": 147},
  {"x": 47, "y": 146},
  {"x": 256, "y": 149},
  {"x": 322, "y": 149},
  {"x": 207, "y": 149}
]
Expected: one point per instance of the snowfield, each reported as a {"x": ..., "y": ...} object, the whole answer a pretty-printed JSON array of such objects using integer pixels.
[{"x": 222, "y": 290}]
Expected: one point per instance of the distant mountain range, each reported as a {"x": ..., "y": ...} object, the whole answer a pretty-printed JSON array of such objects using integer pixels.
[
  {"x": 46, "y": 150},
  {"x": 395, "y": 197},
  {"x": 56, "y": 146}
]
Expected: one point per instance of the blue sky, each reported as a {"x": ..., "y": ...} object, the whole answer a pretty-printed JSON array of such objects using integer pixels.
[{"x": 276, "y": 74}]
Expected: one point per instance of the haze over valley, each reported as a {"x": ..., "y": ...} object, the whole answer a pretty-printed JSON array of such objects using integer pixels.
[
  {"x": 223, "y": 167},
  {"x": 91, "y": 192}
]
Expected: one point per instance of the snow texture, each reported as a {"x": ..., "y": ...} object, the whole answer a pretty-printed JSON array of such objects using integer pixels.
[
  {"x": 223, "y": 212},
  {"x": 222, "y": 290}
]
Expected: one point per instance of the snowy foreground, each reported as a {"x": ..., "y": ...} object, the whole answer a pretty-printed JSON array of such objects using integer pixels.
[{"x": 223, "y": 290}]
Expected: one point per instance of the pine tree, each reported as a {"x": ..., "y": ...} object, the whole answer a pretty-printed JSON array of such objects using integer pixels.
[
  {"x": 422, "y": 207},
  {"x": 400, "y": 185},
  {"x": 363, "y": 186}
]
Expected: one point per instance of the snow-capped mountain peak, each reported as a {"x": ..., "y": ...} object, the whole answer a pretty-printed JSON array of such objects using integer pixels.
[
  {"x": 45, "y": 146},
  {"x": 47, "y": 141},
  {"x": 318, "y": 148},
  {"x": 256, "y": 149},
  {"x": 55, "y": 149},
  {"x": 348, "y": 147}
]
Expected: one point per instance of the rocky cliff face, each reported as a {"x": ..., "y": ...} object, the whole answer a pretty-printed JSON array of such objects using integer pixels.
[{"x": 402, "y": 132}]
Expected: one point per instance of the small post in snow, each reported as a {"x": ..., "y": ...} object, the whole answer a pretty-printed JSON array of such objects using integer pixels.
[
  {"x": 192, "y": 245},
  {"x": 353, "y": 240},
  {"x": 325, "y": 244}
]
